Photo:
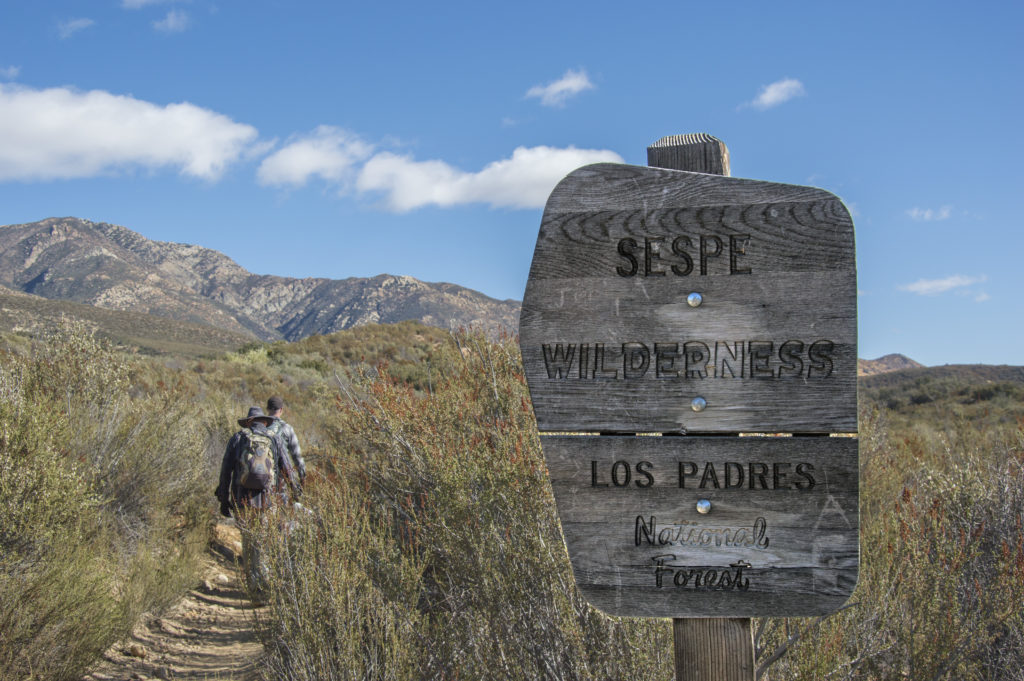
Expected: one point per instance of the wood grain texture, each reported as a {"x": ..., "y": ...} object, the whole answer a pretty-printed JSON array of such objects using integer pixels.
[
  {"x": 619, "y": 187},
  {"x": 713, "y": 650},
  {"x": 796, "y": 530},
  {"x": 618, "y": 252},
  {"x": 698, "y": 153},
  {"x": 610, "y": 344}
]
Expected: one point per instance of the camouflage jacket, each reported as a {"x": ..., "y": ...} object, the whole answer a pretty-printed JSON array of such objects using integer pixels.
[
  {"x": 230, "y": 488},
  {"x": 283, "y": 429}
]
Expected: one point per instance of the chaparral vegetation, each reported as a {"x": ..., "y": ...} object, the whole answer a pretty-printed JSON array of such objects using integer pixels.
[{"x": 428, "y": 546}]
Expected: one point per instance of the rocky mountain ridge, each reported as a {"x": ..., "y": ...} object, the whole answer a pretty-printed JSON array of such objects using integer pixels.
[
  {"x": 110, "y": 266},
  {"x": 885, "y": 364}
]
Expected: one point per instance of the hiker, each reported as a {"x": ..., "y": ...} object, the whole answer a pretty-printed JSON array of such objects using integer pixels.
[
  {"x": 253, "y": 475},
  {"x": 275, "y": 406}
]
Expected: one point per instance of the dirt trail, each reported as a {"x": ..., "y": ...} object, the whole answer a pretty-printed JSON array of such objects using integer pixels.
[{"x": 207, "y": 635}]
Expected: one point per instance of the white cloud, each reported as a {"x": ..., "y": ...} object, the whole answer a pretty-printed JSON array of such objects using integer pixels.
[
  {"x": 558, "y": 92},
  {"x": 931, "y": 287},
  {"x": 982, "y": 297},
  {"x": 60, "y": 133},
  {"x": 68, "y": 28},
  {"x": 328, "y": 152},
  {"x": 176, "y": 21},
  {"x": 779, "y": 92},
  {"x": 10, "y": 72},
  {"x": 523, "y": 181},
  {"x": 928, "y": 215}
]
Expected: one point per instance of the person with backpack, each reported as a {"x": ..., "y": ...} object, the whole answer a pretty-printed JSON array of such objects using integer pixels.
[
  {"x": 254, "y": 474},
  {"x": 255, "y": 469},
  {"x": 275, "y": 406}
]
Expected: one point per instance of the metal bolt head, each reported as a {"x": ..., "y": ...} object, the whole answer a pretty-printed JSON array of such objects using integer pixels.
[
  {"x": 698, "y": 404},
  {"x": 703, "y": 507},
  {"x": 694, "y": 299}
]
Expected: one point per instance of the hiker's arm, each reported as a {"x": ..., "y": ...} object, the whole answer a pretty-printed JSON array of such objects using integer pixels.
[
  {"x": 292, "y": 440},
  {"x": 227, "y": 467},
  {"x": 285, "y": 466}
]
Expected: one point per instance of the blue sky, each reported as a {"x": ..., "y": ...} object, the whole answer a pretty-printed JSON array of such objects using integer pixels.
[{"x": 351, "y": 139}]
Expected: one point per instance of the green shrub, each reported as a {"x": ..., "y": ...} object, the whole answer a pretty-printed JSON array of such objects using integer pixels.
[
  {"x": 314, "y": 363},
  {"x": 56, "y": 613},
  {"x": 101, "y": 514}
]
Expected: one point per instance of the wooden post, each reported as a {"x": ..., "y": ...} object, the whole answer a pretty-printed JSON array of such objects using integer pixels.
[
  {"x": 714, "y": 649},
  {"x": 698, "y": 153}
]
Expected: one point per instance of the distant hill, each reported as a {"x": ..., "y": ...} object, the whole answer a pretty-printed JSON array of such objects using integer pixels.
[
  {"x": 26, "y": 314},
  {"x": 979, "y": 394},
  {"x": 894, "y": 362},
  {"x": 966, "y": 374},
  {"x": 112, "y": 267}
]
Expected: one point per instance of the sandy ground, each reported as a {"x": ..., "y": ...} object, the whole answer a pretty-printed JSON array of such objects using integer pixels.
[{"x": 207, "y": 635}]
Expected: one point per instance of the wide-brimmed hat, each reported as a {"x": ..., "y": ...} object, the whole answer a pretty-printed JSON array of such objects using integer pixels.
[{"x": 255, "y": 413}]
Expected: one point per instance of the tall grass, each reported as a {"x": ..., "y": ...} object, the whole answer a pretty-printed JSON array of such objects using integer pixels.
[
  {"x": 101, "y": 511},
  {"x": 941, "y": 589},
  {"x": 435, "y": 551}
]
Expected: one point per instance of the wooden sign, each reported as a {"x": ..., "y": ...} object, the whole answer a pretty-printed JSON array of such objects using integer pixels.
[
  {"x": 697, "y": 307},
  {"x": 779, "y": 539},
  {"x": 611, "y": 342}
]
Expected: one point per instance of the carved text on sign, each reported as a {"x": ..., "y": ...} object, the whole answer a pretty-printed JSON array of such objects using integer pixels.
[
  {"x": 680, "y": 261},
  {"x": 689, "y": 360},
  {"x": 690, "y": 534},
  {"x": 754, "y": 475},
  {"x": 682, "y": 576}
]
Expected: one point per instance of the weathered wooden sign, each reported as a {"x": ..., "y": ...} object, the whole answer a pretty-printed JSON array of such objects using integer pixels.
[
  {"x": 613, "y": 341},
  {"x": 697, "y": 307}
]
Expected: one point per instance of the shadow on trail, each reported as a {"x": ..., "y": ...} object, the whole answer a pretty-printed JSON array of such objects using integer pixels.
[{"x": 207, "y": 635}]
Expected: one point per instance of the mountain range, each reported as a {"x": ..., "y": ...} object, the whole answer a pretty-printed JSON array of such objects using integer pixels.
[
  {"x": 109, "y": 266},
  {"x": 126, "y": 284}
]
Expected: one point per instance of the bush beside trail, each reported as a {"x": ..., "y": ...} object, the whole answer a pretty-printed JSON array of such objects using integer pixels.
[{"x": 101, "y": 511}]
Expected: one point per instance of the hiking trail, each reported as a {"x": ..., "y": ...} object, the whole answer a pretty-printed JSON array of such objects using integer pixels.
[{"x": 206, "y": 635}]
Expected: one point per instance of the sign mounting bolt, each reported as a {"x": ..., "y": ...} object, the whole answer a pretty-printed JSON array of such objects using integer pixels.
[
  {"x": 698, "y": 404},
  {"x": 703, "y": 507},
  {"x": 694, "y": 299}
]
